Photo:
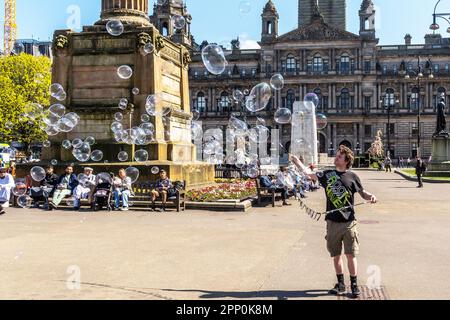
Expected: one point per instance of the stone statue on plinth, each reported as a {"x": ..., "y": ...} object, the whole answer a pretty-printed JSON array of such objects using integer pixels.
[{"x": 441, "y": 126}]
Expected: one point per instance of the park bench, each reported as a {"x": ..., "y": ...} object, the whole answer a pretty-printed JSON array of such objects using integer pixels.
[
  {"x": 266, "y": 192},
  {"x": 142, "y": 196}
]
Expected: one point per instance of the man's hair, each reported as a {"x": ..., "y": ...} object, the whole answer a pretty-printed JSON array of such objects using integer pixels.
[
  {"x": 349, "y": 156},
  {"x": 69, "y": 166},
  {"x": 50, "y": 166},
  {"x": 163, "y": 171}
]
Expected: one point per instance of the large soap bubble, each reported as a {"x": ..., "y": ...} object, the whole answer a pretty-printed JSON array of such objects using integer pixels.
[
  {"x": 132, "y": 173},
  {"x": 312, "y": 97},
  {"x": 124, "y": 72},
  {"x": 141, "y": 156},
  {"x": 37, "y": 173},
  {"x": 82, "y": 153},
  {"x": 322, "y": 121},
  {"x": 283, "y": 116},
  {"x": 258, "y": 98},
  {"x": 214, "y": 59},
  {"x": 277, "y": 82},
  {"x": 115, "y": 27}
]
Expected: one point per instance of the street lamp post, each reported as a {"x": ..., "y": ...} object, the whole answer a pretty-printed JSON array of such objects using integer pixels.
[
  {"x": 446, "y": 16},
  {"x": 418, "y": 75},
  {"x": 389, "y": 102}
]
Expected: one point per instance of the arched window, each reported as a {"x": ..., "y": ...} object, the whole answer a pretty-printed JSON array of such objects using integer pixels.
[
  {"x": 290, "y": 99},
  {"x": 201, "y": 102},
  {"x": 269, "y": 27},
  {"x": 317, "y": 64},
  {"x": 290, "y": 63},
  {"x": 414, "y": 100},
  {"x": 345, "y": 64},
  {"x": 224, "y": 103},
  {"x": 165, "y": 29},
  {"x": 345, "y": 100}
]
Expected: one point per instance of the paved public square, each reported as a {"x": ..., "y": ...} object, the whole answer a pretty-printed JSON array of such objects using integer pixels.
[{"x": 263, "y": 254}]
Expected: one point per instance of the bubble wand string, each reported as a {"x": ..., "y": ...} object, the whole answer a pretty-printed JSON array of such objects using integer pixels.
[{"x": 317, "y": 215}]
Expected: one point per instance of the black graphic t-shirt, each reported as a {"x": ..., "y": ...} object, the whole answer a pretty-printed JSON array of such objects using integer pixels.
[{"x": 340, "y": 189}]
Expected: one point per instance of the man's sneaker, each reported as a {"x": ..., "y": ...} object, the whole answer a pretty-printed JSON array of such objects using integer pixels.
[
  {"x": 338, "y": 289},
  {"x": 2, "y": 212},
  {"x": 355, "y": 291},
  {"x": 125, "y": 209}
]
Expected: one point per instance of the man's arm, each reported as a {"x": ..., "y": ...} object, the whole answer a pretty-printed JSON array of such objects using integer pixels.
[
  {"x": 368, "y": 196},
  {"x": 295, "y": 160}
]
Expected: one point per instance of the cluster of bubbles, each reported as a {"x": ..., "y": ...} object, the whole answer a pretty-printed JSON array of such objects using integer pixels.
[{"x": 82, "y": 150}]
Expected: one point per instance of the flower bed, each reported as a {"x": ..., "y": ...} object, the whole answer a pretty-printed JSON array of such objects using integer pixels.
[{"x": 225, "y": 190}]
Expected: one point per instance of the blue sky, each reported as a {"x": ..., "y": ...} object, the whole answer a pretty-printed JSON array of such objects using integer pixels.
[{"x": 219, "y": 20}]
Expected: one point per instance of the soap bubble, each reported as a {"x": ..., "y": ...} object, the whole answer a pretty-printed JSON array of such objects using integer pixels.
[
  {"x": 178, "y": 21},
  {"x": 141, "y": 156},
  {"x": 196, "y": 130},
  {"x": 115, "y": 27},
  {"x": 135, "y": 91},
  {"x": 46, "y": 144},
  {"x": 322, "y": 121},
  {"x": 312, "y": 97},
  {"x": 125, "y": 72},
  {"x": 132, "y": 173},
  {"x": 57, "y": 110},
  {"x": 149, "y": 48},
  {"x": 214, "y": 59},
  {"x": 57, "y": 92},
  {"x": 64, "y": 125},
  {"x": 54, "y": 162},
  {"x": 104, "y": 177},
  {"x": 116, "y": 127},
  {"x": 195, "y": 115},
  {"x": 66, "y": 144},
  {"x": 19, "y": 189},
  {"x": 37, "y": 173},
  {"x": 83, "y": 152},
  {"x": 252, "y": 172},
  {"x": 283, "y": 116},
  {"x": 122, "y": 156},
  {"x": 123, "y": 104},
  {"x": 96, "y": 155},
  {"x": 148, "y": 128},
  {"x": 24, "y": 201},
  {"x": 166, "y": 111},
  {"x": 145, "y": 118},
  {"x": 245, "y": 7},
  {"x": 238, "y": 96},
  {"x": 259, "y": 97},
  {"x": 118, "y": 116},
  {"x": 155, "y": 170},
  {"x": 277, "y": 82},
  {"x": 90, "y": 140}
]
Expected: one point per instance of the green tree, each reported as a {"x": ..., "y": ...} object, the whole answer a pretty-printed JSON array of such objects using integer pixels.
[{"x": 24, "y": 82}]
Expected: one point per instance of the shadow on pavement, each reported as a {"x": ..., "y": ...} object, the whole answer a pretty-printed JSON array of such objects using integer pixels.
[{"x": 280, "y": 295}]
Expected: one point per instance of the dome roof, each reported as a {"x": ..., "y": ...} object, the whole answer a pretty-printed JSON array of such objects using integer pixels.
[{"x": 270, "y": 7}]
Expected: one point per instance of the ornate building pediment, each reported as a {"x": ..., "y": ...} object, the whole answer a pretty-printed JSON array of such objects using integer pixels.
[{"x": 317, "y": 30}]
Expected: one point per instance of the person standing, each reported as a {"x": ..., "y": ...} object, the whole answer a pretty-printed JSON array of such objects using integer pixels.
[
  {"x": 420, "y": 170},
  {"x": 388, "y": 164},
  {"x": 6, "y": 185},
  {"x": 408, "y": 162},
  {"x": 340, "y": 186},
  {"x": 64, "y": 187},
  {"x": 122, "y": 190}
]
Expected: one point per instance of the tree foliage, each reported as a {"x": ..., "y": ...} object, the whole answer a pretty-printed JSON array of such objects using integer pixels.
[
  {"x": 377, "y": 148},
  {"x": 24, "y": 80}
]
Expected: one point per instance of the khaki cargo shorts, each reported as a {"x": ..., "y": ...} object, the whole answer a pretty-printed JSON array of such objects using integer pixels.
[{"x": 338, "y": 233}]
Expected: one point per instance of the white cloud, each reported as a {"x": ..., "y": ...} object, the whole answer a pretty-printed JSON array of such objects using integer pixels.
[{"x": 247, "y": 43}]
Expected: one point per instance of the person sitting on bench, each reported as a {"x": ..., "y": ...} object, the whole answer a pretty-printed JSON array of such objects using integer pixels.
[
  {"x": 64, "y": 187},
  {"x": 267, "y": 182},
  {"x": 163, "y": 189},
  {"x": 122, "y": 190},
  {"x": 85, "y": 189},
  {"x": 45, "y": 189}
]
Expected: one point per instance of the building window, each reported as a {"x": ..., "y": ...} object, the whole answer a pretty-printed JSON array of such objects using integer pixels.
[
  {"x": 317, "y": 64},
  {"x": 345, "y": 100},
  {"x": 290, "y": 99},
  {"x": 326, "y": 66},
  {"x": 395, "y": 69},
  {"x": 391, "y": 128},
  {"x": 389, "y": 100},
  {"x": 414, "y": 130},
  {"x": 201, "y": 102},
  {"x": 367, "y": 103},
  {"x": 385, "y": 68},
  {"x": 224, "y": 103},
  {"x": 414, "y": 100},
  {"x": 290, "y": 63},
  {"x": 446, "y": 68},
  {"x": 368, "y": 130},
  {"x": 367, "y": 66},
  {"x": 345, "y": 65},
  {"x": 436, "y": 68},
  {"x": 325, "y": 103}
]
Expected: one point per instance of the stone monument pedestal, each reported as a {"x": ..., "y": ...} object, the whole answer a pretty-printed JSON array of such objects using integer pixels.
[{"x": 440, "y": 162}]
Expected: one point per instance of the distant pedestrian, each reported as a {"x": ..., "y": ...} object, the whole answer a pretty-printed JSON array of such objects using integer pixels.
[
  {"x": 408, "y": 162},
  {"x": 388, "y": 164},
  {"x": 421, "y": 167}
]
